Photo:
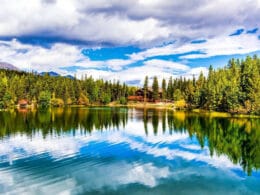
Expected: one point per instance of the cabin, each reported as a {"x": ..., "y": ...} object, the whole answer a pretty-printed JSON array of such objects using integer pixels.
[
  {"x": 140, "y": 95},
  {"x": 23, "y": 103}
]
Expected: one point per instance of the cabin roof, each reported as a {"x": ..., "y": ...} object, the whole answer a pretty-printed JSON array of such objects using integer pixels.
[{"x": 23, "y": 101}]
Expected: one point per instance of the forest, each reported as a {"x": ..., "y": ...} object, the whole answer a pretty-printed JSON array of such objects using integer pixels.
[
  {"x": 57, "y": 91},
  {"x": 234, "y": 88}
]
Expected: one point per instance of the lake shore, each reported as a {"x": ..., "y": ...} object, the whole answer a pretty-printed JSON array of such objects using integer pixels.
[
  {"x": 172, "y": 106},
  {"x": 158, "y": 105}
]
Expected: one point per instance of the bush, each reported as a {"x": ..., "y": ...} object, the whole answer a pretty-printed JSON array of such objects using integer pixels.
[
  {"x": 57, "y": 102},
  {"x": 69, "y": 101},
  {"x": 83, "y": 100},
  {"x": 180, "y": 104},
  {"x": 2, "y": 105},
  {"x": 44, "y": 99},
  {"x": 123, "y": 100}
]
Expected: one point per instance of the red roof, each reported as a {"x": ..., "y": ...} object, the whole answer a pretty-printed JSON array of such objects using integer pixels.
[
  {"x": 135, "y": 98},
  {"x": 22, "y": 102}
]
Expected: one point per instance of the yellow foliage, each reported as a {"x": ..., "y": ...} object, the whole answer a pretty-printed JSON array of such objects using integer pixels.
[
  {"x": 69, "y": 101},
  {"x": 83, "y": 100},
  {"x": 57, "y": 102},
  {"x": 180, "y": 115},
  {"x": 180, "y": 104}
]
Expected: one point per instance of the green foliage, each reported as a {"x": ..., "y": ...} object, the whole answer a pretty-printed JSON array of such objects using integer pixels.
[
  {"x": 177, "y": 95},
  {"x": 15, "y": 86},
  {"x": 146, "y": 83},
  {"x": 123, "y": 100},
  {"x": 155, "y": 88},
  {"x": 44, "y": 99},
  {"x": 234, "y": 88},
  {"x": 145, "y": 87},
  {"x": 163, "y": 90},
  {"x": 105, "y": 98},
  {"x": 7, "y": 100},
  {"x": 83, "y": 99},
  {"x": 169, "y": 92},
  {"x": 57, "y": 102}
]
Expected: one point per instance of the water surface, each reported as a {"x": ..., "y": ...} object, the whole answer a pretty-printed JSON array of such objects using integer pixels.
[{"x": 127, "y": 151}]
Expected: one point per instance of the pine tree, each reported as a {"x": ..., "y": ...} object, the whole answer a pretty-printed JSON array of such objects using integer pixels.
[
  {"x": 155, "y": 88},
  {"x": 145, "y": 88},
  {"x": 210, "y": 90},
  {"x": 164, "y": 90},
  {"x": 170, "y": 89}
]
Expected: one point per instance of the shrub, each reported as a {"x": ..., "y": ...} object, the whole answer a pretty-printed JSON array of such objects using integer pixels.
[
  {"x": 123, "y": 100},
  {"x": 57, "y": 102}
]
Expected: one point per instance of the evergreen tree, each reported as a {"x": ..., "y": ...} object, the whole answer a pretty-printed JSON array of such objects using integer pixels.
[
  {"x": 44, "y": 99},
  {"x": 210, "y": 90},
  {"x": 199, "y": 95},
  {"x": 145, "y": 88},
  {"x": 170, "y": 89},
  {"x": 155, "y": 88},
  {"x": 234, "y": 88},
  {"x": 164, "y": 92}
]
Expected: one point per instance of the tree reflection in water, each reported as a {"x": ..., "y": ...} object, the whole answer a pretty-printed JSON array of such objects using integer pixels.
[{"x": 238, "y": 138}]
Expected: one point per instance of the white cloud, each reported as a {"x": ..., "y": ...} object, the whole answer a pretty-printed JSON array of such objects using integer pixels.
[
  {"x": 132, "y": 22},
  {"x": 148, "y": 25},
  {"x": 70, "y": 20},
  {"x": 229, "y": 45},
  {"x": 196, "y": 72},
  {"x": 59, "y": 55},
  {"x": 171, "y": 66},
  {"x": 117, "y": 64},
  {"x": 221, "y": 45}
]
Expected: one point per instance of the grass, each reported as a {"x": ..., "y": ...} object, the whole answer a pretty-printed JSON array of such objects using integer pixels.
[
  {"x": 223, "y": 114},
  {"x": 159, "y": 105}
]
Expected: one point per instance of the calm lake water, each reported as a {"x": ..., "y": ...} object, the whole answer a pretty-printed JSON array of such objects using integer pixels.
[{"x": 127, "y": 151}]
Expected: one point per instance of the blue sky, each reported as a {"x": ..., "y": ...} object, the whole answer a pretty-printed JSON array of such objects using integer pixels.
[{"x": 127, "y": 40}]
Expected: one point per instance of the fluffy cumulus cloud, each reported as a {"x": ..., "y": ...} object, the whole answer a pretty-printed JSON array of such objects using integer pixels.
[
  {"x": 137, "y": 21},
  {"x": 28, "y": 57},
  {"x": 50, "y": 35}
]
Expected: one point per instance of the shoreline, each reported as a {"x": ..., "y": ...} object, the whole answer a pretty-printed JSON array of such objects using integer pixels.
[{"x": 148, "y": 105}]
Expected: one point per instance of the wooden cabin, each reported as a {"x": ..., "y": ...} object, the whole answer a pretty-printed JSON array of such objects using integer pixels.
[
  {"x": 140, "y": 95},
  {"x": 23, "y": 103}
]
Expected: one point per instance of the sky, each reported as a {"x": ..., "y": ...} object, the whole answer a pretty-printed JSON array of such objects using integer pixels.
[{"x": 126, "y": 40}]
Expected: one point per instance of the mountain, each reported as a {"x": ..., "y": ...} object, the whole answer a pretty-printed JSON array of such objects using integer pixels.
[
  {"x": 7, "y": 66},
  {"x": 55, "y": 74},
  {"x": 69, "y": 76}
]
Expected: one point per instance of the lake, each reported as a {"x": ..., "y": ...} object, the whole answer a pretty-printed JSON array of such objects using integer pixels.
[{"x": 127, "y": 151}]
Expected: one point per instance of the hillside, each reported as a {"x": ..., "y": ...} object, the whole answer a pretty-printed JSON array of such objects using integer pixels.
[{"x": 5, "y": 65}]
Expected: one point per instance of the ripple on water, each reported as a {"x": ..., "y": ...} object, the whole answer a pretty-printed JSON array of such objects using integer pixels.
[{"x": 126, "y": 159}]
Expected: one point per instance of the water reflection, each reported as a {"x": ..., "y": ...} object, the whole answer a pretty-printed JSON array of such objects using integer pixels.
[
  {"x": 61, "y": 120},
  {"x": 152, "y": 148}
]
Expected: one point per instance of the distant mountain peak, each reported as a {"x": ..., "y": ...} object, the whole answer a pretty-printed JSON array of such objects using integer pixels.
[
  {"x": 51, "y": 73},
  {"x": 69, "y": 76},
  {"x": 7, "y": 66},
  {"x": 55, "y": 74}
]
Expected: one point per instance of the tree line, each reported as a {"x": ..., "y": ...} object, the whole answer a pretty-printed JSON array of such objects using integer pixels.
[
  {"x": 58, "y": 91},
  {"x": 235, "y": 88}
]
